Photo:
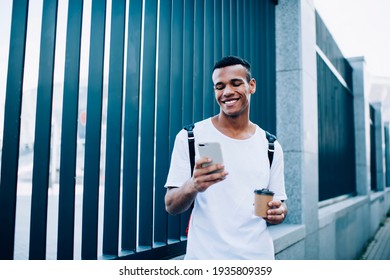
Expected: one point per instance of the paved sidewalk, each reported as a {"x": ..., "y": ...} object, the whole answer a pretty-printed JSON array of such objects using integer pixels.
[
  {"x": 22, "y": 227},
  {"x": 379, "y": 248}
]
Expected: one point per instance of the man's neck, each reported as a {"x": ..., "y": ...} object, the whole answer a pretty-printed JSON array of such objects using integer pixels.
[{"x": 235, "y": 127}]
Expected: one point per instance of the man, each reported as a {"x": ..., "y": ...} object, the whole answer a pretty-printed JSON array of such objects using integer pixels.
[{"x": 223, "y": 224}]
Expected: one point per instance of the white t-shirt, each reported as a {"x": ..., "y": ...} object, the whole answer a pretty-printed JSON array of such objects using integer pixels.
[{"x": 223, "y": 224}]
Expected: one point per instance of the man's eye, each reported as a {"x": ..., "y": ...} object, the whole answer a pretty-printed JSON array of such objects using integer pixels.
[
  {"x": 237, "y": 83},
  {"x": 219, "y": 87}
]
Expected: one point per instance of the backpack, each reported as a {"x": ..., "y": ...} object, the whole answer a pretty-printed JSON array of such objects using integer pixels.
[{"x": 191, "y": 145}]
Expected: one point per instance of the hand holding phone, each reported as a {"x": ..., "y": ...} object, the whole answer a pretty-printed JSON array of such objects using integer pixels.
[
  {"x": 203, "y": 179},
  {"x": 213, "y": 151}
]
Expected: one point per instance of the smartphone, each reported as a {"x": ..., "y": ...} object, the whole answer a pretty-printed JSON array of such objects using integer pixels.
[{"x": 211, "y": 150}]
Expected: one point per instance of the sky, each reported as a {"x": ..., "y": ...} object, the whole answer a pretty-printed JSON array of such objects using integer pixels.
[{"x": 360, "y": 28}]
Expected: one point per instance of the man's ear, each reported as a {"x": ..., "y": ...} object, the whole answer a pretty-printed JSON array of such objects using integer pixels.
[{"x": 252, "y": 86}]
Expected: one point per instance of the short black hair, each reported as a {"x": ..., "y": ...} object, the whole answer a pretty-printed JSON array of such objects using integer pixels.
[{"x": 234, "y": 60}]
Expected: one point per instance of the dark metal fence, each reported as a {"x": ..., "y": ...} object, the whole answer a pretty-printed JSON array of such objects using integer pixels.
[
  {"x": 373, "y": 155},
  {"x": 336, "y": 140},
  {"x": 387, "y": 154},
  {"x": 160, "y": 59}
]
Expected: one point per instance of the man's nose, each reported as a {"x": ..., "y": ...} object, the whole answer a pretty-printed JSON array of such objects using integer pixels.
[{"x": 228, "y": 90}]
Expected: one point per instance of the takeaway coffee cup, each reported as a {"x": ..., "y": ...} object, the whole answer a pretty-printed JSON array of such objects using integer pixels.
[{"x": 262, "y": 197}]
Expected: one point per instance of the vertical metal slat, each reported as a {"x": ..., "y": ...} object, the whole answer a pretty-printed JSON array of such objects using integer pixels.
[
  {"x": 41, "y": 164},
  {"x": 270, "y": 121},
  {"x": 254, "y": 112},
  {"x": 93, "y": 131},
  {"x": 188, "y": 61},
  {"x": 11, "y": 132},
  {"x": 226, "y": 28},
  {"x": 147, "y": 126},
  {"x": 198, "y": 59},
  {"x": 208, "y": 93},
  {"x": 233, "y": 27},
  {"x": 246, "y": 27},
  {"x": 130, "y": 146},
  {"x": 162, "y": 120},
  {"x": 69, "y": 132},
  {"x": 176, "y": 92},
  {"x": 240, "y": 24},
  {"x": 187, "y": 80},
  {"x": 259, "y": 58},
  {"x": 217, "y": 44},
  {"x": 114, "y": 110}
]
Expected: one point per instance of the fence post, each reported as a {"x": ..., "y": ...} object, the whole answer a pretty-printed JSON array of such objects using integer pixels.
[
  {"x": 297, "y": 120},
  {"x": 11, "y": 133},
  {"x": 66, "y": 209},
  {"x": 42, "y": 148},
  {"x": 93, "y": 131},
  {"x": 362, "y": 126}
]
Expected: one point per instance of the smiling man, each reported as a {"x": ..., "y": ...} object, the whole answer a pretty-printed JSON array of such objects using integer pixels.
[{"x": 223, "y": 224}]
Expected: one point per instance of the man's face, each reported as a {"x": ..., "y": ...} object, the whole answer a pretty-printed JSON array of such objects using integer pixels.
[{"x": 232, "y": 90}]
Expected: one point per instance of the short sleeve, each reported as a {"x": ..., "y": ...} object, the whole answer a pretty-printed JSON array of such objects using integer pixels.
[
  {"x": 180, "y": 168},
  {"x": 276, "y": 183}
]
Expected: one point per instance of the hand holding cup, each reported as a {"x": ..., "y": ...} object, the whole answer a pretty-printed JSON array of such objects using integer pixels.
[{"x": 262, "y": 198}]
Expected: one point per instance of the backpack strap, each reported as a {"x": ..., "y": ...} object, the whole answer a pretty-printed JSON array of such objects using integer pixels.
[
  {"x": 191, "y": 144},
  {"x": 271, "y": 146},
  {"x": 191, "y": 149}
]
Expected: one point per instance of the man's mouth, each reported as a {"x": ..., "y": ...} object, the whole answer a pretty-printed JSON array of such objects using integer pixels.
[{"x": 230, "y": 101}]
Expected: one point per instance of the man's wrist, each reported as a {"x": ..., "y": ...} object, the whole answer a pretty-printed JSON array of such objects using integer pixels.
[{"x": 192, "y": 187}]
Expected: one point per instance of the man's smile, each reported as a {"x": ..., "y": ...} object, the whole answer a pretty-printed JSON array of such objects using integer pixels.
[{"x": 230, "y": 101}]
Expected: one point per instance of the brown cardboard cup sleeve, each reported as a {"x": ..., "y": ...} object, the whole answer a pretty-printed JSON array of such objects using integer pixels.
[{"x": 262, "y": 197}]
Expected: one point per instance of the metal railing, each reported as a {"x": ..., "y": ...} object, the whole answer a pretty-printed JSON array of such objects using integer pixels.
[
  {"x": 160, "y": 55},
  {"x": 336, "y": 137}
]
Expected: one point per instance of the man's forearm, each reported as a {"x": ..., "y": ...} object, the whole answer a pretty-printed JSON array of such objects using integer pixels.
[{"x": 179, "y": 200}]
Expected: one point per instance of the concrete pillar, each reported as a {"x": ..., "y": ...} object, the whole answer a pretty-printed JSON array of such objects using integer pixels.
[
  {"x": 297, "y": 113},
  {"x": 362, "y": 125}
]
